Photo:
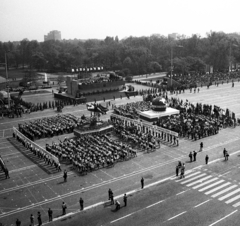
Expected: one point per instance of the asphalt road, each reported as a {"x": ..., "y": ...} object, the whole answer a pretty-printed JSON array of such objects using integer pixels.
[{"x": 34, "y": 186}]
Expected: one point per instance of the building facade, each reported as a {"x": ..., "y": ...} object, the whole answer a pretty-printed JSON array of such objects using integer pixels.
[{"x": 53, "y": 35}]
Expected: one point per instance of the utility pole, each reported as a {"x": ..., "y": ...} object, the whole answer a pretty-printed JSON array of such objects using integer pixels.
[{"x": 7, "y": 84}]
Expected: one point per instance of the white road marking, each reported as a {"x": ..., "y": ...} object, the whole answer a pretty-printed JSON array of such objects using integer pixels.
[
  {"x": 223, "y": 191},
  {"x": 198, "y": 181},
  {"x": 202, "y": 203},
  {"x": 186, "y": 181},
  {"x": 121, "y": 218},
  {"x": 154, "y": 204},
  {"x": 223, "y": 218},
  {"x": 207, "y": 182},
  {"x": 215, "y": 189},
  {"x": 233, "y": 199},
  {"x": 177, "y": 215},
  {"x": 229, "y": 194},
  {"x": 182, "y": 192}
]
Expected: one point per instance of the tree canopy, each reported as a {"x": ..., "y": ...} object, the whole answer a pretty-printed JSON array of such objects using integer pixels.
[{"x": 129, "y": 56}]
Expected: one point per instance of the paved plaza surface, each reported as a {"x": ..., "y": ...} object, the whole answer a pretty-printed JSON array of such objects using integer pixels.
[{"x": 208, "y": 195}]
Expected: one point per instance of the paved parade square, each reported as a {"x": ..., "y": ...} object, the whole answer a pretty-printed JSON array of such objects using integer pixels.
[{"x": 208, "y": 195}]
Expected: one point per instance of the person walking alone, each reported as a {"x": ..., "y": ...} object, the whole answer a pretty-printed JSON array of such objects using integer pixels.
[
  {"x": 50, "y": 214},
  {"x": 65, "y": 175},
  {"x": 201, "y": 146},
  {"x": 142, "y": 183},
  {"x": 125, "y": 199},
  {"x": 64, "y": 208},
  {"x": 206, "y": 159},
  {"x": 81, "y": 202},
  {"x": 194, "y": 156}
]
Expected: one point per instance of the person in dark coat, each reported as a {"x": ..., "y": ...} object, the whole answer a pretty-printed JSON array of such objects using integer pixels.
[
  {"x": 125, "y": 199},
  {"x": 206, "y": 159},
  {"x": 194, "y": 156},
  {"x": 224, "y": 153},
  {"x": 50, "y": 214},
  {"x": 39, "y": 218},
  {"x": 190, "y": 156},
  {"x": 201, "y": 146},
  {"x": 177, "y": 170},
  {"x": 18, "y": 222},
  {"x": 81, "y": 202},
  {"x": 65, "y": 175},
  {"x": 142, "y": 183}
]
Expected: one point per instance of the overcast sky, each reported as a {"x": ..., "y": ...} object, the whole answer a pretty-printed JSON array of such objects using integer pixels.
[{"x": 84, "y": 19}]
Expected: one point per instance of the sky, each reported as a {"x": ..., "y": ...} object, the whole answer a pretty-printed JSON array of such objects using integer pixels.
[{"x": 89, "y": 19}]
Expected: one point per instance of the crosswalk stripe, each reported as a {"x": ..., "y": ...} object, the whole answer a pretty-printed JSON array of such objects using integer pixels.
[
  {"x": 223, "y": 191},
  {"x": 186, "y": 181},
  {"x": 233, "y": 199},
  {"x": 229, "y": 194},
  {"x": 188, "y": 176},
  {"x": 206, "y": 182},
  {"x": 215, "y": 189},
  {"x": 199, "y": 181},
  {"x": 236, "y": 204}
]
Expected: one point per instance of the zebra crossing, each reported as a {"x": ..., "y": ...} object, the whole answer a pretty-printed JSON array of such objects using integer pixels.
[{"x": 211, "y": 185}]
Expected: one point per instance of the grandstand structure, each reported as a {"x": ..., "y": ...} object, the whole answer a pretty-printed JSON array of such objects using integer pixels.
[{"x": 94, "y": 85}]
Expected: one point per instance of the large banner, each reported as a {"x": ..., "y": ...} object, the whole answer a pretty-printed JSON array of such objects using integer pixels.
[{"x": 36, "y": 146}]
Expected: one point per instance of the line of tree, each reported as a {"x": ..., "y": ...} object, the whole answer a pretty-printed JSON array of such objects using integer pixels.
[{"x": 129, "y": 56}]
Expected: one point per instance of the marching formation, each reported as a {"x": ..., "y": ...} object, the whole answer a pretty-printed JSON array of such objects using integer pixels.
[
  {"x": 49, "y": 126},
  {"x": 91, "y": 152}
]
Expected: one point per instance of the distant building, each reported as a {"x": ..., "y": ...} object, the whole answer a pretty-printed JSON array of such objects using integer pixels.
[
  {"x": 173, "y": 36},
  {"x": 53, "y": 35}
]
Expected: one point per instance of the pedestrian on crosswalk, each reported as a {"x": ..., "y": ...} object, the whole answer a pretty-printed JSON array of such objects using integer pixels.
[
  {"x": 194, "y": 156},
  {"x": 182, "y": 171},
  {"x": 206, "y": 159}
]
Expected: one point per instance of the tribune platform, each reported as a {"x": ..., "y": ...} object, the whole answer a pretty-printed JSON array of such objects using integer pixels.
[{"x": 152, "y": 115}]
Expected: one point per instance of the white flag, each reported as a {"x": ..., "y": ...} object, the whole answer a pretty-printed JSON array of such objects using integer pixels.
[{"x": 72, "y": 70}]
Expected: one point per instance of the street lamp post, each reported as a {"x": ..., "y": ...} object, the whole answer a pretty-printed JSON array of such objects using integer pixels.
[
  {"x": 171, "y": 64},
  {"x": 179, "y": 46},
  {"x": 230, "y": 57},
  {"x": 6, "y": 67}
]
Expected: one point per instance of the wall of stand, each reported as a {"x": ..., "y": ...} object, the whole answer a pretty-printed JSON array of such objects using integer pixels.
[{"x": 165, "y": 136}]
